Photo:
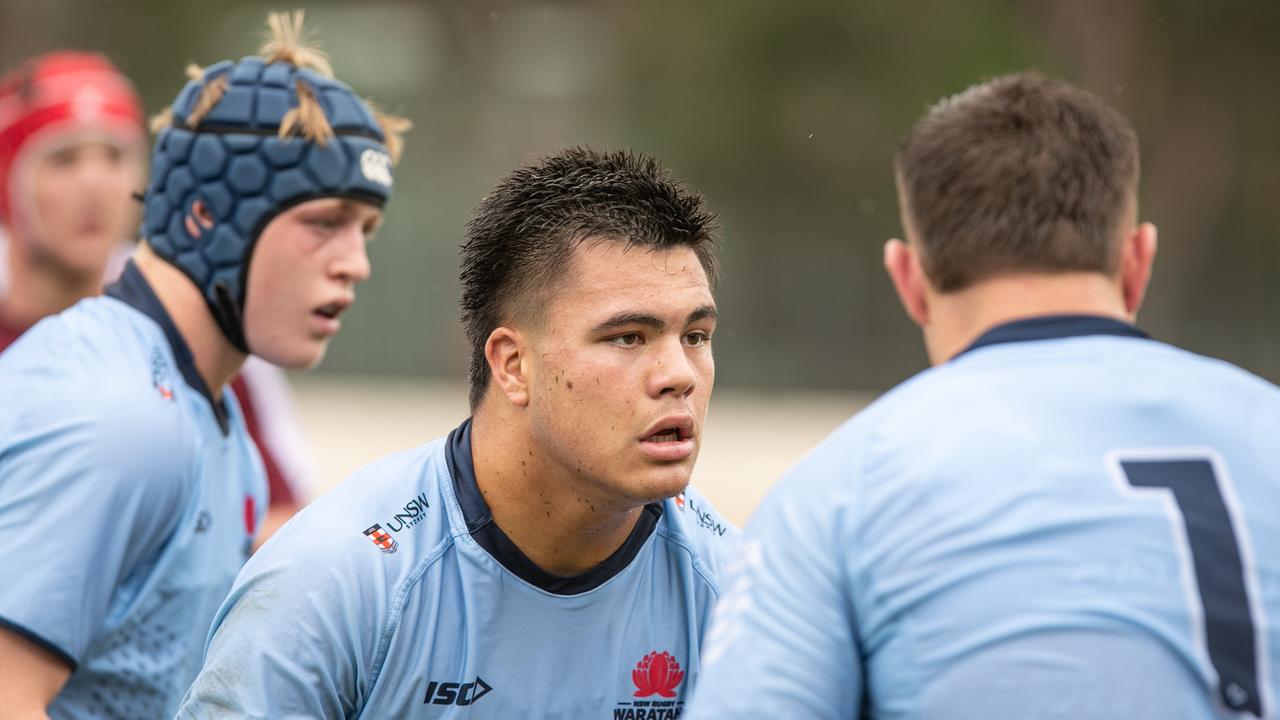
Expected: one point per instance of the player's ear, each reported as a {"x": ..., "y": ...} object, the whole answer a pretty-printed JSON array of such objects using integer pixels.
[
  {"x": 505, "y": 352},
  {"x": 1137, "y": 254},
  {"x": 198, "y": 219},
  {"x": 907, "y": 275}
]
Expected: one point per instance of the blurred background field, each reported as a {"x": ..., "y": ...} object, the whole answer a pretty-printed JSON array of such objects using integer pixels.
[{"x": 786, "y": 116}]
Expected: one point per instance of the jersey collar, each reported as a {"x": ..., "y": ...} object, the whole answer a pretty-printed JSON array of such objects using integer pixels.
[
  {"x": 133, "y": 290},
  {"x": 1054, "y": 327},
  {"x": 488, "y": 535}
]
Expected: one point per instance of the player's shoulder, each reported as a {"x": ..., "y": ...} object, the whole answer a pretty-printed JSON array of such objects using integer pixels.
[
  {"x": 95, "y": 368},
  {"x": 1152, "y": 358},
  {"x": 1220, "y": 374},
  {"x": 1222, "y": 392},
  {"x": 81, "y": 411},
  {"x": 100, "y": 324},
  {"x": 384, "y": 487},
  {"x": 1065, "y": 370},
  {"x": 980, "y": 392},
  {"x": 384, "y": 520},
  {"x": 970, "y": 381},
  {"x": 695, "y": 528},
  {"x": 350, "y": 558},
  {"x": 822, "y": 481},
  {"x": 97, "y": 347}
]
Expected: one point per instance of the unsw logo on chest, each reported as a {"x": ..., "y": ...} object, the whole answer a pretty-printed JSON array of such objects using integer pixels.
[
  {"x": 414, "y": 512},
  {"x": 706, "y": 520},
  {"x": 657, "y": 673}
]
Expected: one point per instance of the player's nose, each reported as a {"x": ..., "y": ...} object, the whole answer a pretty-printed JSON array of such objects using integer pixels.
[
  {"x": 352, "y": 264},
  {"x": 672, "y": 372}
]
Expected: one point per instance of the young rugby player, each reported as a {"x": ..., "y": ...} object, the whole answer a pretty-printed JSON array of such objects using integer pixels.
[
  {"x": 1062, "y": 518},
  {"x": 546, "y": 558},
  {"x": 129, "y": 492},
  {"x": 72, "y": 150}
]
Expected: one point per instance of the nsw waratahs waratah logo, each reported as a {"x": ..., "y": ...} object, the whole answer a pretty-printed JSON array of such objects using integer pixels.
[{"x": 657, "y": 673}]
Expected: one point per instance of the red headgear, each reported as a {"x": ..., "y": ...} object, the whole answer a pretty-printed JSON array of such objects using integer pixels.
[{"x": 53, "y": 95}]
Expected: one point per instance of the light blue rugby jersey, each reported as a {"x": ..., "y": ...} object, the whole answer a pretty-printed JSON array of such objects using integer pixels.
[
  {"x": 396, "y": 596},
  {"x": 127, "y": 502},
  {"x": 1068, "y": 520}
]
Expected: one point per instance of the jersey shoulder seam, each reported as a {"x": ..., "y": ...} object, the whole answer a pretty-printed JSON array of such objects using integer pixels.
[
  {"x": 396, "y": 609},
  {"x": 677, "y": 539}
]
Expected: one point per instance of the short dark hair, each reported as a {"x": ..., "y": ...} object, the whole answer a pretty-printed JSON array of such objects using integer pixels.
[
  {"x": 1020, "y": 173},
  {"x": 520, "y": 240}
]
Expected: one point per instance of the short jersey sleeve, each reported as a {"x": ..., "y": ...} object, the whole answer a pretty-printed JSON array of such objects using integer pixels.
[
  {"x": 90, "y": 488},
  {"x": 782, "y": 641},
  {"x": 297, "y": 636}
]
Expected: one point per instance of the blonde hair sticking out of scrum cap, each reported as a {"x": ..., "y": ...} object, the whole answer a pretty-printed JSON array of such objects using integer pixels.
[{"x": 286, "y": 43}]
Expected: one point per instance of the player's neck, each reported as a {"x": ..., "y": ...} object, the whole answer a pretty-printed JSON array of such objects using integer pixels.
[
  {"x": 957, "y": 319},
  {"x": 543, "y": 507},
  {"x": 40, "y": 287},
  {"x": 216, "y": 359}
]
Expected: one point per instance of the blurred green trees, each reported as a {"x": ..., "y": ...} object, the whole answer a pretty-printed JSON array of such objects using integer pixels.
[{"x": 786, "y": 116}]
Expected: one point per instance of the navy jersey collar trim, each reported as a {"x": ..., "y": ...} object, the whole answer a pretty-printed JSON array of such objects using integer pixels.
[
  {"x": 133, "y": 290},
  {"x": 1054, "y": 327},
  {"x": 488, "y": 535}
]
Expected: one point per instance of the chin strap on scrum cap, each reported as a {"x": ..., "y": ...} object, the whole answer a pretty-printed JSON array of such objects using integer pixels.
[{"x": 234, "y": 163}]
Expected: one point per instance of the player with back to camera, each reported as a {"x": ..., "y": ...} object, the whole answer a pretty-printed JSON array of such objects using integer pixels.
[
  {"x": 1063, "y": 517},
  {"x": 72, "y": 151},
  {"x": 545, "y": 559},
  {"x": 128, "y": 486}
]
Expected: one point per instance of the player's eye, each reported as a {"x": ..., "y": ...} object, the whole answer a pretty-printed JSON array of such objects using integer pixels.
[
  {"x": 627, "y": 340},
  {"x": 327, "y": 223},
  {"x": 697, "y": 338},
  {"x": 65, "y": 157}
]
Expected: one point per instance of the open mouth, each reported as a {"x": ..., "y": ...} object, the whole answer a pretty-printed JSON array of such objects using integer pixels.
[
  {"x": 671, "y": 434},
  {"x": 670, "y": 439},
  {"x": 332, "y": 310}
]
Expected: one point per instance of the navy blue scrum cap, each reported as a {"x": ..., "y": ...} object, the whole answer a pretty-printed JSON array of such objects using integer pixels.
[{"x": 233, "y": 160}]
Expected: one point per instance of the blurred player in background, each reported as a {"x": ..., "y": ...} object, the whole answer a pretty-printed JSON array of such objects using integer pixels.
[
  {"x": 72, "y": 151},
  {"x": 545, "y": 559},
  {"x": 129, "y": 490},
  {"x": 1064, "y": 517}
]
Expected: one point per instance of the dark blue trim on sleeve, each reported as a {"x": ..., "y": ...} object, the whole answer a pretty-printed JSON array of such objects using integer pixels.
[
  {"x": 133, "y": 290},
  {"x": 58, "y": 652},
  {"x": 1054, "y": 327},
  {"x": 488, "y": 535}
]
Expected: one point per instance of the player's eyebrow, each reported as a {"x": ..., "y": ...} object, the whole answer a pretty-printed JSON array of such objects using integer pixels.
[
  {"x": 346, "y": 209},
  {"x": 705, "y": 312},
  {"x": 338, "y": 204},
  {"x": 626, "y": 319}
]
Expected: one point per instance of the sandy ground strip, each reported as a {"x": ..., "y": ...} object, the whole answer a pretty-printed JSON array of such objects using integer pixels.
[{"x": 751, "y": 437}]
